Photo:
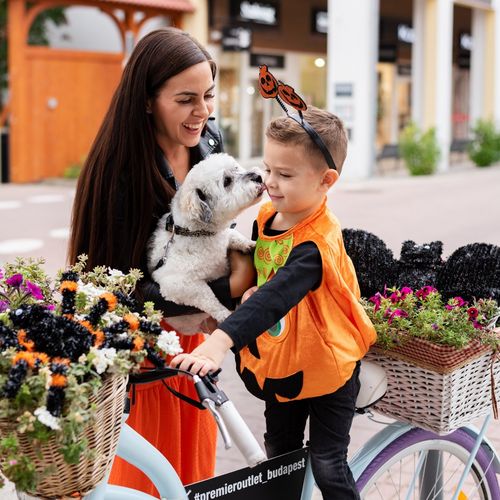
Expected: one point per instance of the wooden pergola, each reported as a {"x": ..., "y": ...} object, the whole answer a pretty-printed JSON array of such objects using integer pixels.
[{"x": 37, "y": 73}]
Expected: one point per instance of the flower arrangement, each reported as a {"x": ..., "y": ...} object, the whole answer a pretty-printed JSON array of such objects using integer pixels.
[
  {"x": 57, "y": 347},
  {"x": 402, "y": 314}
]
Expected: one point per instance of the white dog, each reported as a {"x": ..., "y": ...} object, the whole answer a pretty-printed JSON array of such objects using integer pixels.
[{"x": 189, "y": 246}]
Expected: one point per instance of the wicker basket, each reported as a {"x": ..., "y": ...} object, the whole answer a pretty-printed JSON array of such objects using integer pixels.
[
  {"x": 102, "y": 437},
  {"x": 437, "y": 399}
]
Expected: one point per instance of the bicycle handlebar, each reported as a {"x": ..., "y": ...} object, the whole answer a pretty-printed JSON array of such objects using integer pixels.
[{"x": 231, "y": 425}]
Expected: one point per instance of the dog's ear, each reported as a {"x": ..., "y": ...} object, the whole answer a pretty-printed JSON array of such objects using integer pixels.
[{"x": 202, "y": 209}]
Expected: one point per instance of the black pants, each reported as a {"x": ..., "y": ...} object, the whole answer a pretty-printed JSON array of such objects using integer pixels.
[{"x": 329, "y": 426}]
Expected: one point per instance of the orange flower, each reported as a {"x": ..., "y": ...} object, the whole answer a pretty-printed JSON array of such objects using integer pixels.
[
  {"x": 111, "y": 299},
  {"x": 29, "y": 357},
  {"x": 59, "y": 380},
  {"x": 27, "y": 344},
  {"x": 132, "y": 321},
  {"x": 61, "y": 361},
  {"x": 98, "y": 337},
  {"x": 68, "y": 286},
  {"x": 138, "y": 344}
]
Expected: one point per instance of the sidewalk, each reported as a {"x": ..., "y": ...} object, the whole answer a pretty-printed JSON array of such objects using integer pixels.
[{"x": 457, "y": 207}]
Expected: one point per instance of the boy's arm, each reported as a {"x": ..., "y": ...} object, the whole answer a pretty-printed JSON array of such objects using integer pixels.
[{"x": 263, "y": 309}]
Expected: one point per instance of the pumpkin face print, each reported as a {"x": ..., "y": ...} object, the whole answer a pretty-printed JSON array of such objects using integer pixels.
[
  {"x": 291, "y": 97},
  {"x": 268, "y": 84}
]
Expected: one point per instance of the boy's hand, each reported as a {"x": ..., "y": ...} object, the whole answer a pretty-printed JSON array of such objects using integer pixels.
[
  {"x": 242, "y": 274},
  {"x": 207, "y": 357},
  {"x": 249, "y": 293}
]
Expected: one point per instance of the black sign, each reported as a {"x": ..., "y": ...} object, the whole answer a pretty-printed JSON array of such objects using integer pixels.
[
  {"x": 236, "y": 38},
  {"x": 280, "y": 477},
  {"x": 271, "y": 60},
  {"x": 265, "y": 13}
]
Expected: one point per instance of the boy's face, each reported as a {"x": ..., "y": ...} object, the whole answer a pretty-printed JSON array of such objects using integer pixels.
[{"x": 295, "y": 183}]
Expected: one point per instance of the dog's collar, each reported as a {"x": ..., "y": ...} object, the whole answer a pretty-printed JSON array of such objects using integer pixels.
[{"x": 171, "y": 227}]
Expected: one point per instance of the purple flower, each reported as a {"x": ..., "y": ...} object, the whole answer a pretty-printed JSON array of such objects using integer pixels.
[
  {"x": 396, "y": 313},
  {"x": 406, "y": 290},
  {"x": 394, "y": 297},
  {"x": 425, "y": 291},
  {"x": 434, "y": 326},
  {"x": 377, "y": 300},
  {"x": 34, "y": 290},
  {"x": 15, "y": 280},
  {"x": 50, "y": 307},
  {"x": 3, "y": 306},
  {"x": 456, "y": 302},
  {"x": 477, "y": 325},
  {"x": 473, "y": 313}
]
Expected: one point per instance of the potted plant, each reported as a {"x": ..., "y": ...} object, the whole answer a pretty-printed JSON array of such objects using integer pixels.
[
  {"x": 484, "y": 148},
  {"x": 65, "y": 353},
  {"x": 440, "y": 356},
  {"x": 419, "y": 150}
]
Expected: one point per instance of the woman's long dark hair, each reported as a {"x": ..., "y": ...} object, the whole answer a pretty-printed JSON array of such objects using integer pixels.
[{"x": 120, "y": 189}]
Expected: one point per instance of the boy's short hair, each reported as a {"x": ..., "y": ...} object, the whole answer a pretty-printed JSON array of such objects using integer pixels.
[{"x": 330, "y": 128}]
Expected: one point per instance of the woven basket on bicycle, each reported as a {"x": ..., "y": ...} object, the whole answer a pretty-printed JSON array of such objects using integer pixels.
[
  {"x": 102, "y": 437},
  {"x": 438, "y": 388}
]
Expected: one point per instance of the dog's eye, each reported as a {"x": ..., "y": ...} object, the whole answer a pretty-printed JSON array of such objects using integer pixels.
[
  {"x": 227, "y": 181},
  {"x": 201, "y": 195}
]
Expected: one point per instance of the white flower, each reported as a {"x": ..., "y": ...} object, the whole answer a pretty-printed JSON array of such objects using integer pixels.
[
  {"x": 115, "y": 273},
  {"x": 90, "y": 291},
  {"x": 47, "y": 419},
  {"x": 103, "y": 358},
  {"x": 168, "y": 342},
  {"x": 45, "y": 371}
]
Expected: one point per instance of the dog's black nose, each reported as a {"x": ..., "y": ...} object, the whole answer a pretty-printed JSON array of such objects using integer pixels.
[{"x": 255, "y": 177}]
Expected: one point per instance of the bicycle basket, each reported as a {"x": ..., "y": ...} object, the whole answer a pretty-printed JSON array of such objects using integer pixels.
[
  {"x": 436, "y": 389},
  {"x": 102, "y": 436}
]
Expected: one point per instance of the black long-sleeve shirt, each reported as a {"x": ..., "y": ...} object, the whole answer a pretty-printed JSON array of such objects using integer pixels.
[{"x": 301, "y": 273}]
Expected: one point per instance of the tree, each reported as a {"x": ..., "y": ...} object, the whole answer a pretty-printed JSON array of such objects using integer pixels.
[{"x": 37, "y": 35}]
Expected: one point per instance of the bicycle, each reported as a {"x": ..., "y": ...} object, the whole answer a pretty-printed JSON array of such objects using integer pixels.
[{"x": 401, "y": 461}]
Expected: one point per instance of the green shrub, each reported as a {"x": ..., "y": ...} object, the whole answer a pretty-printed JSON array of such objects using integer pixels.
[
  {"x": 73, "y": 170},
  {"x": 419, "y": 150},
  {"x": 485, "y": 145}
]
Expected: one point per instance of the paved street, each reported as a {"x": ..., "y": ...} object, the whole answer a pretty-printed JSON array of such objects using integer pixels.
[{"x": 459, "y": 207}]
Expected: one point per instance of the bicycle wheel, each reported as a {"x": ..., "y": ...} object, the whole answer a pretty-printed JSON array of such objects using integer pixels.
[{"x": 397, "y": 471}]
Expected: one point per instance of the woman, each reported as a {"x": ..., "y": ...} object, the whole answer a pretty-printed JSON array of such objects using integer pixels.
[{"x": 156, "y": 129}]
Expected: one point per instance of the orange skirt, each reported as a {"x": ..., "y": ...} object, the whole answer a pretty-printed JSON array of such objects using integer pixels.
[{"x": 184, "y": 434}]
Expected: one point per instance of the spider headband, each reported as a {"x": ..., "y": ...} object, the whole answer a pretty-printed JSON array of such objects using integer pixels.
[{"x": 270, "y": 88}]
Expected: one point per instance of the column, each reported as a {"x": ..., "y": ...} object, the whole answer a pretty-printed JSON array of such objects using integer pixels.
[
  {"x": 18, "y": 86},
  {"x": 196, "y": 22},
  {"x": 443, "y": 81},
  {"x": 417, "y": 63},
  {"x": 496, "y": 62},
  {"x": 352, "y": 78},
  {"x": 477, "y": 65}
]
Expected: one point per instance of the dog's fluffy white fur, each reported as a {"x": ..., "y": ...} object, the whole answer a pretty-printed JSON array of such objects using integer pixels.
[{"x": 213, "y": 193}]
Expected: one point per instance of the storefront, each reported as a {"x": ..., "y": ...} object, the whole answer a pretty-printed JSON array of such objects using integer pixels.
[{"x": 291, "y": 41}]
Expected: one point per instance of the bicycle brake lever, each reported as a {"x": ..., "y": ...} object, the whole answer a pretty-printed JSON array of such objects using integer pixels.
[
  {"x": 207, "y": 389},
  {"x": 210, "y": 405}
]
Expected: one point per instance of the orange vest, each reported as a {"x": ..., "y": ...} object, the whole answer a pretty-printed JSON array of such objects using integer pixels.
[{"x": 313, "y": 350}]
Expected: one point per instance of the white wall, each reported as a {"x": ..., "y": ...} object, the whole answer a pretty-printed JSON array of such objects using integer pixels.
[{"x": 89, "y": 28}]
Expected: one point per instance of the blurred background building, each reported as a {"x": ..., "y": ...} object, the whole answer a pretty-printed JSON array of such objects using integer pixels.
[{"x": 376, "y": 63}]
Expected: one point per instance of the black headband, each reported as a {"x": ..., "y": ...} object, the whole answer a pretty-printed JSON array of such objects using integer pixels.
[{"x": 270, "y": 87}]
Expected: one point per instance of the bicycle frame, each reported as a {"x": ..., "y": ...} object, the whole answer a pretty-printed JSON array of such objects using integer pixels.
[{"x": 133, "y": 448}]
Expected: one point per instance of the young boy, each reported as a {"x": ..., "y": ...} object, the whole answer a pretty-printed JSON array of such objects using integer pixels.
[{"x": 306, "y": 363}]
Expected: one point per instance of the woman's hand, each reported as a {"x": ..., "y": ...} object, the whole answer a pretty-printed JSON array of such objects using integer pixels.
[
  {"x": 242, "y": 275},
  {"x": 207, "y": 357}
]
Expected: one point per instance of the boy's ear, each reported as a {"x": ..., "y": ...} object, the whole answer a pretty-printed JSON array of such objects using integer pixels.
[{"x": 330, "y": 177}]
